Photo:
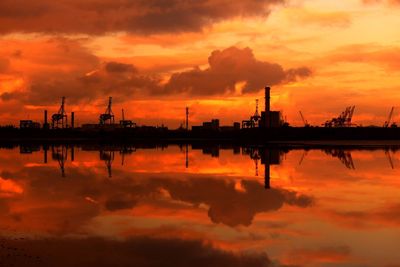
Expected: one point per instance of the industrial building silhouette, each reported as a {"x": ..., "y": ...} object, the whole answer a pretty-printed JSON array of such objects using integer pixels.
[{"x": 260, "y": 127}]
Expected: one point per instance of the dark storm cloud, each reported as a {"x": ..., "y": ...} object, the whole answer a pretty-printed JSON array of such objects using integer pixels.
[
  {"x": 136, "y": 16},
  {"x": 119, "y": 67},
  {"x": 229, "y": 67},
  {"x": 117, "y": 79}
]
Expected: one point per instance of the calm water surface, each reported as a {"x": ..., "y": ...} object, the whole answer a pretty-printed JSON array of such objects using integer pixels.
[{"x": 198, "y": 206}]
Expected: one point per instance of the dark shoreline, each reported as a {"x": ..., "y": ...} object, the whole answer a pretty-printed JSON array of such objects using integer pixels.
[
  {"x": 280, "y": 137},
  {"x": 222, "y": 144}
]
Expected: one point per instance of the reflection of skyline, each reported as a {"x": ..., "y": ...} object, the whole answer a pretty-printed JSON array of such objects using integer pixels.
[
  {"x": 153, "y": 194},
  {"x": 343, "y": 155},
  {"x": 171, "y": 252},
  {"x": 108, "y": 158},
  {"x": 59, "y": 154},
  {"x": 267, "y": 156},
  {"x": 221, "y": 198}
]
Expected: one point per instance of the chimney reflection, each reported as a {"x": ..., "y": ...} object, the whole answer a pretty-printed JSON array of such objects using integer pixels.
[
  {"x": 270, "y": 157},
  {"x": 45, "y": 148},
  {"x": 72, "y": 153},
  {"x": 126, "y": 150},
  {"x": 266, "y": 155},
  {"x": 187, "y": 156}
]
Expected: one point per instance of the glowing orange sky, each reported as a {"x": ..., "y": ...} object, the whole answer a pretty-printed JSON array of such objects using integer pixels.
[{"x": 332, "y": 54}]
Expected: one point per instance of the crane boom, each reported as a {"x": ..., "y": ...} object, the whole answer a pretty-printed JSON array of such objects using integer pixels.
[
  {"x": 387, "y": 123},
  {"x": 303, "y": 119}
]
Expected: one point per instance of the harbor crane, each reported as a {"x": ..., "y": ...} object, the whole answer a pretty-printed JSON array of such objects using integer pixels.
[
  {"x": 389, "y": 120},
  {"x": 254, "y": 120},
  {"x": 306, "y": 124},
  {"x": 108, "y": 115},
  {"x": 344, "y": 119},
  {"x": 60, "y": 118},
  {"x": 126, "y": 123}
]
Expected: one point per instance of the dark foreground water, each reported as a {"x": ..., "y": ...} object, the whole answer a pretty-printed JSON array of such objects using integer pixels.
[{"x": 198, "y": 206}]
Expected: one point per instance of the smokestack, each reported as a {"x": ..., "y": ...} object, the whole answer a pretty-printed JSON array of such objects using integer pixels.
[
  {"x": 187, "y": 118},
  {"x": 267, "y": 107},
  {"x": 72, "y": 120},
  {"x": 45, "y": 119}
]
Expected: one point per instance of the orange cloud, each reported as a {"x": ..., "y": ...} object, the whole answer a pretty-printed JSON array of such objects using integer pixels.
[{"x": 229, "y": 67}]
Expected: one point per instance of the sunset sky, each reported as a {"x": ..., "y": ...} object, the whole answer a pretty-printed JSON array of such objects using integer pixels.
[{"x": 215, "y": 56}]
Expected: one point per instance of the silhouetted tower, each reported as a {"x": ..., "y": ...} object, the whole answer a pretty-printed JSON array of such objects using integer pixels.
[
  {"x": 72, "y": 120},
  {"x": 108, "y": 115},
  {"x": 256, "y": 114},
  {"x": 60, "y": 118},
  {"x": 45, "y": 122},
  {"x": 267, "y": 119},
  {"x": 187, "y": 118}
]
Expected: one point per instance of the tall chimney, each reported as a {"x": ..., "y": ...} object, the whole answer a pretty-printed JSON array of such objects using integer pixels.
[
  {"x": 187, "y": 118},
  {"x": 72, "y": 120},
  {"x": 45, "y": 124},
  {"x": 267, "y": 121}
]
